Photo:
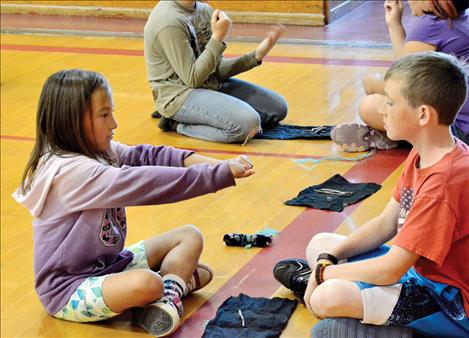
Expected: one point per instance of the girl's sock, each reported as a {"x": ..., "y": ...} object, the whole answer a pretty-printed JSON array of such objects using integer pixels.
[{"x": 174, "y": 289}]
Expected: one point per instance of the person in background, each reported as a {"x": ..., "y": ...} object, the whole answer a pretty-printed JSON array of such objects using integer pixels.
[
  {"x": 438, "y": 25},
  {"x": 192, "y": 82}
]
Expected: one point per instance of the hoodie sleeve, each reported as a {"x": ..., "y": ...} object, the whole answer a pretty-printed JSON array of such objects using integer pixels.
[
  {"x": 87, "y": 184},
  {"x": 144, "y": 154}
]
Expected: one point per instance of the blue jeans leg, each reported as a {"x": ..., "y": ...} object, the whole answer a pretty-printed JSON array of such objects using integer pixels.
[
  {"x": 271, "y": 107},
  {"x": 214, "y": 116}
]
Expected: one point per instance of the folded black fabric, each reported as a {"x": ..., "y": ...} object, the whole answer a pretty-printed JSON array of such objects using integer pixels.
[
  {"x": 334, "y": 194},
  {"x": 260, "y": 241},
  {"x": 291, "y": 132},
  {"x": 250, "y": 317}
]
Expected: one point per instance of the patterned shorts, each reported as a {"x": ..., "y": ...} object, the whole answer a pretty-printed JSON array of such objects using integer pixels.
[
  {"x": 87, "y": 304},
  {"x": 430, "y": 308}
]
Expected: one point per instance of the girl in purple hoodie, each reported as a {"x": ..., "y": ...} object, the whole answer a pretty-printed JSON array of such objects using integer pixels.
[{"x": 77, "y": 184}]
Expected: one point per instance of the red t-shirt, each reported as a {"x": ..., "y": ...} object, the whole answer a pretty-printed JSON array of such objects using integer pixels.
[{"x": 434, "y": 217}]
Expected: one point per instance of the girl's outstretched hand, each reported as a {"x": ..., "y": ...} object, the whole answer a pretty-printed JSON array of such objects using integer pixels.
[
  {"x": 269, "y": 42},
  {"x": 393, "y": 12},
  {"x": 241, "y": 166}
]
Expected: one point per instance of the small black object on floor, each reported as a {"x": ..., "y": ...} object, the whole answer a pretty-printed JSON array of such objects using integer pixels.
[
  {"x": 292, "y": 132},
  {"x": 334, "y": 194},
  {"x": 250, "y": 317},
  {"x": 244, "y": 240}
]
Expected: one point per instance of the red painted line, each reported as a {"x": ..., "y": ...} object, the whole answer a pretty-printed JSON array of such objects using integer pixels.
[
  {"x": 77, "y": 50},
  {"x": 255, "y": 277},
  {"x": 133, "y": 52},
  {"x": 202, "y": 150}
]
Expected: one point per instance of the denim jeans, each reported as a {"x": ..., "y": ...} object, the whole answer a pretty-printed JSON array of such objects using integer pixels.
[{"x": 229, "y": 114}]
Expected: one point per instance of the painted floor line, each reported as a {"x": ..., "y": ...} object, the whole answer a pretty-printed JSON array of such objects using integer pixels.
[
  {"x": 212, "y": 151},
  {"x": 291, "y": 242},
  {"x": 135, "y": 52}
]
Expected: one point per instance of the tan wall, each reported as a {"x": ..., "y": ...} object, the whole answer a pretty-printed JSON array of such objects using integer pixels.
[
  {"x": 280, "y": 6},
  {"x": 296, "y": 12}
]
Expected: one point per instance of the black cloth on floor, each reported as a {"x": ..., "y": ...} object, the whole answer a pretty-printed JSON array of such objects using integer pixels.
[
  {"x": 260, "y": 241},
  {"x": 291, "y": 132},
  {"x": 262, "y": 317},
  {"x": 334, "y": 194}
]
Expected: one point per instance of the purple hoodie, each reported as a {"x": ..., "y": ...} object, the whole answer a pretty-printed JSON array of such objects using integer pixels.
[{"x": 78, "y": 208}]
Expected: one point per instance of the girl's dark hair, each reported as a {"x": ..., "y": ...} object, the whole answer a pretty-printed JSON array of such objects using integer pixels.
[
  {"x": 65, "y": 97},
  {"x": 448, "y": 9}
]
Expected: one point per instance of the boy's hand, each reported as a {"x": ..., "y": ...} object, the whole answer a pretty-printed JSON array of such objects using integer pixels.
[
  {"x": 393, "y": 12},
  {"x": 312, "y": 285},
  {"x": 241, "y": 167},
  {"x": 269, "y": 42},
  {"x": 221, "y": 25}
]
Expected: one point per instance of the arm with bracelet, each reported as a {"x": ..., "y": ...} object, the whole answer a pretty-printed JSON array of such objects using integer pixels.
[{"x": 368, "y": 237}]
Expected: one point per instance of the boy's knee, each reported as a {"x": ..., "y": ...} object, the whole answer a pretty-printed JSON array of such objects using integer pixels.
[
  {"x": 317, "y": 242},
  {"x": 326, "y": 299}
]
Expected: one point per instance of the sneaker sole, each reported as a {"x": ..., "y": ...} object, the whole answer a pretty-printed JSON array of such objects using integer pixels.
[
  {"x": 349, "y": 137},
  {"x": 158, "y": 320}
]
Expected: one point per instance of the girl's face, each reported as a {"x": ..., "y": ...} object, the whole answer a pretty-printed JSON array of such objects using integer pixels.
[
  {"x": 99, "y": 122},
  {"x": 419, "y": 6}
]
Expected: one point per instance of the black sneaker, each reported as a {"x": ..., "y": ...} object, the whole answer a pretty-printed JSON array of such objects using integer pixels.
[
  {"x": 294, "y": 274},
  {"x": 167, "y": 124},
  {"x": 156, "y": 115}
]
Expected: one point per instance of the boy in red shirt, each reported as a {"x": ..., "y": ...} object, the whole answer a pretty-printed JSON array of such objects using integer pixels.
[{"x": 422, "y": 280}]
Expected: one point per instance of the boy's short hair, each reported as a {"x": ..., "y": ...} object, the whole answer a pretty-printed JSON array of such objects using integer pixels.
[{"x": 432, "y": 78}]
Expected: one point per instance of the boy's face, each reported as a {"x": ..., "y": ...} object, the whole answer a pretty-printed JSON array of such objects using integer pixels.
[
  {"x": 99, "y": 122},
  {"x": 400, "y": 119}
]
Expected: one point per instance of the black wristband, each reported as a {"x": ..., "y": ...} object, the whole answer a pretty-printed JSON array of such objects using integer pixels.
[{"x": 331, "y": 258}]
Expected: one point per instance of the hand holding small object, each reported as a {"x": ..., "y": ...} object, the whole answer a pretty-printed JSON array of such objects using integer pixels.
[{"x": 241, "y": 166}]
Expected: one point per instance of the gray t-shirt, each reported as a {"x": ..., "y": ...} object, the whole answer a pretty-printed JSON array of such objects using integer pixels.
[{"x": 181, "y": 55}]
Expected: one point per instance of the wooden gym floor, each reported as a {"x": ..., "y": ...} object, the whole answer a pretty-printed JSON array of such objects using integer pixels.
[{"x": 322, "y": 84}]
